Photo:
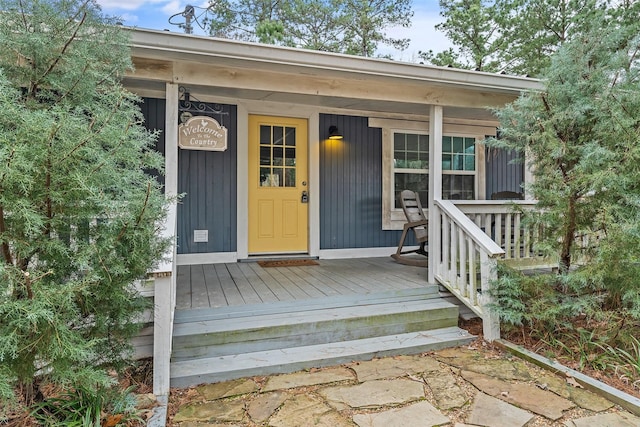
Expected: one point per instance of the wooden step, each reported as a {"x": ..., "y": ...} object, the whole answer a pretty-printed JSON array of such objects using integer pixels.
[
  {"x": 299, "y": 327},
  {"x": 222, "y": 368},
  {"x": 231, "y": 312}
]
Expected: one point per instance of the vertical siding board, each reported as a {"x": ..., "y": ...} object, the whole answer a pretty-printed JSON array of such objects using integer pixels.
[
  {"x": 153, "y": 111},
  {"x": 503, "y": 174},
  {"x": 351, "y": 186}
]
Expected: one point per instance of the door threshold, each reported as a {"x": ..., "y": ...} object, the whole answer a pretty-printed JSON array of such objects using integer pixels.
[{"x": 275, "y": 257}]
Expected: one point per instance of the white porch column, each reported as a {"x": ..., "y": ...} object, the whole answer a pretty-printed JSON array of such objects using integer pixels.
[
  {"x": 171, "y": 140},
  {"x": 435, "y": 186},
  {"x": 165, "y": 275}
]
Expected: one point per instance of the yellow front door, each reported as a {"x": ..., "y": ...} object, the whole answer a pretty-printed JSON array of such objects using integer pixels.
[{"x": 278, "y": 198}]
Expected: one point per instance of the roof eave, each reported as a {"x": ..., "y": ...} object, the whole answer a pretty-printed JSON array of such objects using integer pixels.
[{"x": 171, "y": 45}]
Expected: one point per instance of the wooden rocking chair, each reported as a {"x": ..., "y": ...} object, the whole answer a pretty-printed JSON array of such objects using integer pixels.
[{"x": 417, "y": 222}]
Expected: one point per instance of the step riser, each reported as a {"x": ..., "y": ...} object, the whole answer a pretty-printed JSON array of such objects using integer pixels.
[
  {"x": 284, "y": 336},
  {"x": 268, "y": 364}
]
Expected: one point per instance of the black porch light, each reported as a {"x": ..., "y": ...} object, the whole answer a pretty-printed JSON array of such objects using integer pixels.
[{"x": 334, "y": 133}]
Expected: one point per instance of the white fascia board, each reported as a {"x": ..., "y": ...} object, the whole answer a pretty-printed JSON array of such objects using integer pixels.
[{"x": 177, "y": 46}]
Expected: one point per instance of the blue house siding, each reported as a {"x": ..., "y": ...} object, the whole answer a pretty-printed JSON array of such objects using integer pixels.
[
  {"x": 503, "y": 174},
  {"x": 351, "y": 186},
  {"x": 153, "y": 110},
  {"x": 208, "y": 182}
]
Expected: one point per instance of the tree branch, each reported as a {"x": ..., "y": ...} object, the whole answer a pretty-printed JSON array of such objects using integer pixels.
[{"x": 6, "y": 252}]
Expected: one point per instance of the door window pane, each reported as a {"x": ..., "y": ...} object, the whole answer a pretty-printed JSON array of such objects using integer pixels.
[
  {"x": 277, "y": 163},
  {"x": 278, "y": 133},
  {"x": 290, "y": 137}
]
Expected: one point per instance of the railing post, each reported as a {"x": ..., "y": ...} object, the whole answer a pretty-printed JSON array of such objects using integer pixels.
[
  {"x": 165, "y": 275},
  {"x": 162, "y": 332},
  {"x": 490, "y": 320}
]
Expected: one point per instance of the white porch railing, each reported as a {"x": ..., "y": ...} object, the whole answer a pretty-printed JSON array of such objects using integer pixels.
[
  {"x": 467, "y": 262},
  {"x": 164, "y": 309},
  {"x": 500, "y": 221}
]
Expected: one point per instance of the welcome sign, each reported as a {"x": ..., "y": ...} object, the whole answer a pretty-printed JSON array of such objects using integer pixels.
[{"x": 202, "y": 133}]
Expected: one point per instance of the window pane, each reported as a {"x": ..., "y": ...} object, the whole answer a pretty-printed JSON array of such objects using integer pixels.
[
  {"x": 458, "y": 187},
  {"x": 278, "y": 133},
  {"x": 446, "y": 162},
  {"x": 412, "y": 142},
  {"x": 398, "y": 142},
  {"x": 413, "y": 161},
  {"x": 265, "y": 156},
  {"x": 265, "y": 173},
  {"x": 424, "y": 144},
  {"x": 290, "y": 137},
  {"x": 469, "y": 163},
  {"x": 265, "y": 134},
  {"x": 290, "y": 177},
  {"x": 290, "y": 157},
  {"x": 458, "y": 145},
  {"x": 411, "y": 181},
  {"x": 277, "y": 177},
  {"x": 424, "y": 159},
  {"x": 446, "y": 144},
  {"x": 278, "y": 154}
]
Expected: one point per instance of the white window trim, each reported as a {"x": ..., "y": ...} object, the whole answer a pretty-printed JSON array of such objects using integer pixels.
[{"x": 394, "y": 219}]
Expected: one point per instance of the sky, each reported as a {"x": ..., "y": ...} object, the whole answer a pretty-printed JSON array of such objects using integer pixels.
[{"x": 155, "y": 14}]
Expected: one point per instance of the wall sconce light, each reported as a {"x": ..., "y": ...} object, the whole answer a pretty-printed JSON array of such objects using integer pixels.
[{"x": 334, "y": 133}]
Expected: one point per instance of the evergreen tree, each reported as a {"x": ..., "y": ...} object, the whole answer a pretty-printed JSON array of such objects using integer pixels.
[
  {"x": 367, "y": 21},
  {"x": 535, "y": 29},
  {"x": 314, "y": 24},
  {"x": 516, "y": 36},
  {"x": 79, "y": 215},
  {"x": 345, "y": 26},
  {"x": 581, "y": 136},
  {"x": 474, "y": 26}
]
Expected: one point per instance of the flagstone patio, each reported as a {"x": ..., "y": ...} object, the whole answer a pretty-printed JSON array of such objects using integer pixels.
[{"x": 472, "y": 385}]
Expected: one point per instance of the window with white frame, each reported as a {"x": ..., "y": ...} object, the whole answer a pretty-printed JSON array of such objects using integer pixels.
[
  {"x": 458, "y": 168},
  {"x": 410, "y": 165},
  {"x": 405, "y": 163}
]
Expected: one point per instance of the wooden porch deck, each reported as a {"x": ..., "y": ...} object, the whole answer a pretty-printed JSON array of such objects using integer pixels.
[{"x": 242, "y": 283}]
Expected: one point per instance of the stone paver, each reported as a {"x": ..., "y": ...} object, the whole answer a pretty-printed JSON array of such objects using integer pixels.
[
  {"x": 606, "y": 420},
  {"x": 303, "y": 410},
  {"x": 523, "y": 395},
  {"x": 393, "y": 367},
  {"x": 421, "y": 414},
  {"x": 227, "y": 389},
  {"x": 198, "y": 424},
  {"x": 374, "y": 393},
  {"x": 489, "y": 411},
  {"x": 304, "y": 379},
  {"x": 445, "y": 389},
  {"x": 263, "y": 406},
  {"x": 404, "y": 391},
  {"x": 475, "y": 361},
  {"x": 581, "y": 397},
  {"x": 212, "y": 411}
]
